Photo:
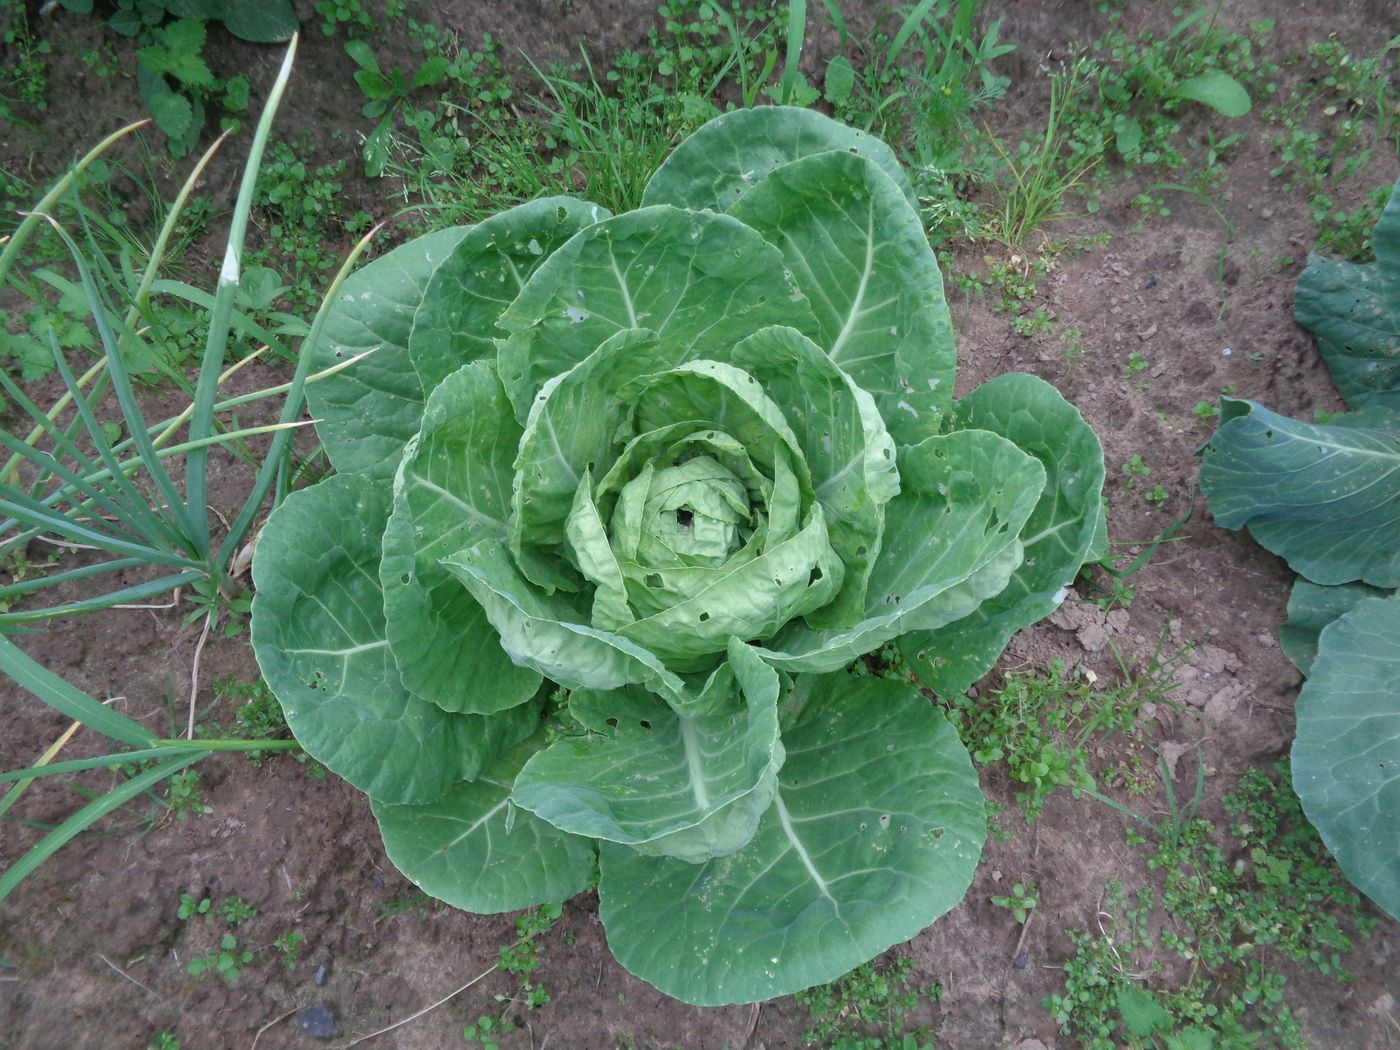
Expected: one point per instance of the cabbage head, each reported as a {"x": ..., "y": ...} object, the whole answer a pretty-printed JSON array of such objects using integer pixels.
[{"x": 618, "y": 503}]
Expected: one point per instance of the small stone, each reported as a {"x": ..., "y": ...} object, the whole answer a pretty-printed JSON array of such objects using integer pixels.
[
  {"x": 1092, "y": 637},
  {"x": 320, "y": 977},
  {"x": 317, "y": 1022},
  {"x": 377, "y": 879},
  {"x": 1021, "y": 961},
  {"x": 1148, "y": 332}
]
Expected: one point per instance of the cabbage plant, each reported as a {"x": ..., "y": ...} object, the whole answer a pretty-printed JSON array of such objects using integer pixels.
[{"x": 619, "y": 502}]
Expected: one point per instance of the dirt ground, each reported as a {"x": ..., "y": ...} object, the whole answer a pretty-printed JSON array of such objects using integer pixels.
[{"x": 95, "y": 955}]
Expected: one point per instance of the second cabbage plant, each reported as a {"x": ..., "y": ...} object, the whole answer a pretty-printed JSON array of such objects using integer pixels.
[{"x": 619, "y": 501}]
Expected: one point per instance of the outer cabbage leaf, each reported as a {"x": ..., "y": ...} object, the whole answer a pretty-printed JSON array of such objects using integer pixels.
[
  {"x": 1355, "y": 312},
  {"x": 950, "y": 544},
  {"x": 875, "y": 832},
  {"x": 844, "y": 443},
  {"x": 1310, "y": 609},
  {"x": 700, "y": 281},
  {"x": 471, "y": 850},
  {"x": 452, "y": 489},
  {"x": 860, "y": 255},
  {"x": 1058, "y": 536},
  {"x": 366, "y": 413},
  {"x": 731, "y": 154},
  {"x": 708, "y": 778},
  {"x": 319, "y": 636},
  {"x": 1346, "y": 755},
  {"x": 456, "y": 321},
  {"x": 1324, "y": 497}
]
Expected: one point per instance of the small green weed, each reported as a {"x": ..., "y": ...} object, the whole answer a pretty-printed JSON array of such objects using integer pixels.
[
  {"x": 1021, "y": 901},
  {"x": 226, "y": 960},
  {"x": 485, "y": 1030},
  {"x": 1228, "y": 922},
  {"x": 1040, "y": 725},
  {"x": 185, "y": 795},
  {"x": 297, "y": 204},
  {"x": 1133, "y": 469},
  {"x": 867, "y": 1010},
  {"x": 235, "y": 911},
  {"x": 190, "y": 906},
  {"x": 288, "y": 945},
  {"x": 521, "y": 957},
  {"x": 164, "y": 1041}
]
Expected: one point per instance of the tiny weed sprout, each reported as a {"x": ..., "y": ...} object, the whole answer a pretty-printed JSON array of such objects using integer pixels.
[{"x": 618, "y": 501}]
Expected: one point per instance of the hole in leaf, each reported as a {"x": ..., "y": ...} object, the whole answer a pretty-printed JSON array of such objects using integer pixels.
[
  {"x": 862, "y": 551},
  {"x": 684, "y": 517},
  {"x": 404, "y": 579},
  {"x": 611, "y": 721},
  {"x": 653, "y": 579},
  {"x": 704, "y": 616},
  {"x": 814, "y": 577},
  {"x": 646, "y": 723}
]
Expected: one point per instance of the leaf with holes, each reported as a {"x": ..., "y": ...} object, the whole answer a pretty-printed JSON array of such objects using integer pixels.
[{"x": 639, "y": 488}]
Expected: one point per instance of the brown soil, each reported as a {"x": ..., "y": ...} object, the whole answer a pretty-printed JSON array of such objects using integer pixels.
[{"x": 94, "y": 955}]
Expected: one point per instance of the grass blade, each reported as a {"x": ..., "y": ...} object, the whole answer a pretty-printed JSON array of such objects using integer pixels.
[
  {"x": 88, "y": 816},
  {"x": 40, "y": 768},
  {"x": 141, "y": 592},
  {"x": 68, "y": 699}
]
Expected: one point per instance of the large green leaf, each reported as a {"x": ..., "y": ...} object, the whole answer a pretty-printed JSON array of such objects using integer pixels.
[
  {"x": 950, "y": 544},
  {"x": 708, "y": 778},
  {"x": 1346, "y": 755},
  {"x": 318, "y": 632},
  {"x": 731, "y": 154},
  {"x": 456, "y": 321},
  {"x": 700, "y": 281},
  {"x": 471, "y": 849},
  {"x": 366, "y": 413},
  {"x": 1057, "y": 537},
  {"x": 1324, "y": 497},
  {"x": 1311, "y": 608},
  {"x": 1355, "y": 312},
  {"x": 860, "y": 255},
  {"x": 845, "y": 446},
  {"x": 453, "y": 488},
  {"x": 875, "y": 832},
  {"x": 263, "y": 21}
]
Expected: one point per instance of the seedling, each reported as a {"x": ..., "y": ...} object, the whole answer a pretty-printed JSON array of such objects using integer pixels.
[
  {"x": 190, "y": 906},
  {"x": 1133, "y": 469},
  {"x": 226, "y": 960},
  {"x": 288, "y": 945},
  {"x": 868, "y": 1009},
  {"x": 1021, "y": 901}
]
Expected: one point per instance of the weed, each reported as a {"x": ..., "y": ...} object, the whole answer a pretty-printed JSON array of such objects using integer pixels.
[
  {"x": 185, "y": 795},
  {"x": 1158, "y": 496},
  {"x": 235, "y": 911},
  {"x": 347, "y": 15},
  {"x": 521, "y": 957},
  {"x": 190, "y": 906},
  {"x": 226, "y": 960},
  {"x": 1031, "y": 324},
  {"x": 1040, "y": 725},
  {"x": 1228, "y": 921},
  {"x": 24, "y": 78},
  {"x": 1037, "y": 177},
  {"x": 297, "y": 204},
  {"x": 1021, "y": 901},
  {"x": 1205, "y": 412},
  {"x": 164, "y": 1041},
  {"x": 485, "y": 1030},
  {"x": 1133, "y": 469},
  {"x": 288, "y": 944},
  {"x": 867, "y": 1010}
]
